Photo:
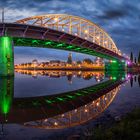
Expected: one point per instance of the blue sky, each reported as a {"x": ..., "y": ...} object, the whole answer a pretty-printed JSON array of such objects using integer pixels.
[{"x": 120, "y": 18}]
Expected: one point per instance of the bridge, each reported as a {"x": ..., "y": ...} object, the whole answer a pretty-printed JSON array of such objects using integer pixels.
[{"x": 58, "y": 31}]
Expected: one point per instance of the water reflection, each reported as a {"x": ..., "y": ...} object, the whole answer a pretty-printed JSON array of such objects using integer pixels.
[
  {"x": 86, "y": 75},
  {"x": 77, "y": 116},
  {"x": 139, "y": 80},
  {"x": 60, "y": 110},
  {"x": 6, "y": 94},
  {"x": 134, "y": 78}
]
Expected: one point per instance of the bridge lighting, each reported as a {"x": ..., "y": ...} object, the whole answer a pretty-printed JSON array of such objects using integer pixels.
[
  {"x": 75, "y": 33},
  {"x": 122, "y": 78},
  {"x": 114, "y": 78},
  {"x": 97, "y": 103},
  {"x": 113, "y": 61},
  {"x": 86, "y": 31},
  {"x": 55, "y": 123},
  {"x": 71, "y": 20},
  {"x": 128, "y": 63},
  {"x": 46, "y": 120},
  {"x": 97, "y": 37},
  {"x": 86, "y": 110},
  {"x": 105, "y": 42},
  {"x": 128, "y": 76},
  {"x": 56, "y": 19}
]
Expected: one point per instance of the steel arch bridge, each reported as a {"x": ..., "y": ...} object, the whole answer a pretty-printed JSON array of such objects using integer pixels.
[
  {"x": 59, "y": 31},
  {"x": 74, "y": 25}
]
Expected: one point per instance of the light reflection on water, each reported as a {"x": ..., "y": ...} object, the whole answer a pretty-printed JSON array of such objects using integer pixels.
[
  {"x": 39, "y": 83},
  {"x": 71, "y": 108}
]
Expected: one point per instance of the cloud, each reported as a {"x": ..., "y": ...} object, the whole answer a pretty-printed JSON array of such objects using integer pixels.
[
  {"x": 119, "y": 18},
  {"x": 113, "y": 14}
]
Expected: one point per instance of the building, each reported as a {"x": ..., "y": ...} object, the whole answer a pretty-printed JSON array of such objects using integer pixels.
[
  {"x": 35, "y": 63},
  {"x": 69, "y": 61}
]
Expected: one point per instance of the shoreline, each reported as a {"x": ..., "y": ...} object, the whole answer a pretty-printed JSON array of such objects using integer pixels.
[{"x": 113, "y": 128}]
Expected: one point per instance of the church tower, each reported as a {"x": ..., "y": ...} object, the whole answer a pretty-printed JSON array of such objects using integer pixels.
[{"x": 69, "y": 61}]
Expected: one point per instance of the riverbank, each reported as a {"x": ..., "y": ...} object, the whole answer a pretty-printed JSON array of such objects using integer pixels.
[{"x": 125, "y": 128}]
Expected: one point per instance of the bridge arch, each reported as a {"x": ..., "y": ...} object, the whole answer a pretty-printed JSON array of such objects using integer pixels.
[{"x": 76, "y": 26}]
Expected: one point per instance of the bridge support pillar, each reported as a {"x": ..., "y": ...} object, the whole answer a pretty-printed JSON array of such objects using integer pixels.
[
  {"x": 6, "y": 56},
  {"x": 114, "y": 65}
]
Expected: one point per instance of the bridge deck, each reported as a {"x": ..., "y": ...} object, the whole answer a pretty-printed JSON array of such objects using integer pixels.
[{"x": 40, "y": 33}]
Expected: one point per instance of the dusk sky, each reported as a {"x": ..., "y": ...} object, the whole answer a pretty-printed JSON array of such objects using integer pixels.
[{"x": 120, "y": 18}]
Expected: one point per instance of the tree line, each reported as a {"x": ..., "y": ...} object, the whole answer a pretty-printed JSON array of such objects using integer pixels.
[{"x": 136, "y": 60}]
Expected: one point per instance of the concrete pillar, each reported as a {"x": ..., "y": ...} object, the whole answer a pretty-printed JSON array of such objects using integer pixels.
[{"x": 6, "y": 56}]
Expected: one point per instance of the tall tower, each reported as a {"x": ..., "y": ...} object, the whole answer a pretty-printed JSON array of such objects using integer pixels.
[{"x": 69, "y": 61}]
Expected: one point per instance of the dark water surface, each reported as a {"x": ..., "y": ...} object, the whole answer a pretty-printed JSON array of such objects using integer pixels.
[
  {"x": 54, "y": 82},
  {"x": 30, "y": 100}
]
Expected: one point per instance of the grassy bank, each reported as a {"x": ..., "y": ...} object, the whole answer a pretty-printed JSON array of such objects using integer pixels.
[{"x": 128, "y": 128}]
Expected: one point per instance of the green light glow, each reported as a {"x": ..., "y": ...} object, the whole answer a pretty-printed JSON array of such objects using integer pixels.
[
  {"x": 48, "y": 43},
  {"x": 114, "y": 61},
  {"x": 60, "y": 99},
  {"x": 69, "y": 47},
  {"x": 69, "y": 96},
  {"x": 78, "y": 94},
  {"x": 48, "y": 101},
  {"x": 6, "y": 93},
  {"x": 35, "y": 41},
  {"x": 6, "y": 56},
  {"x": 114, "y": 78},
  {"x": 59, "y": 45}
]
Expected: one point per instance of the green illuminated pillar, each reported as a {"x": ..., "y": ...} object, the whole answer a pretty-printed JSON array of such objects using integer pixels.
[
  {"x": 6, "y": 56},
  {"x": 6, "y": 95},
  {"x": 114, "y": 65}
]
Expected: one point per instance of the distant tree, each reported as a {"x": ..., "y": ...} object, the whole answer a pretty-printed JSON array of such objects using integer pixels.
[
  {"x": 79, "y": 62},
  {"x": 131, "y": 56},
  {"x": 139, "y": 58},
  {"x": 88, "y": 61},
  {"x": 139, "y": 80},
  {"x": 131, "y": 81},
  {"x": 135, "y": 60}
]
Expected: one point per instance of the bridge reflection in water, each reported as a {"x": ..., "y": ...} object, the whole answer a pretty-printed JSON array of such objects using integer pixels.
[{"x": 57, "y": 111}]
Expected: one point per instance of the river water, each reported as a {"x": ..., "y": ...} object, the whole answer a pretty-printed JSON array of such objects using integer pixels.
[{"x": 52, "y": 97}]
